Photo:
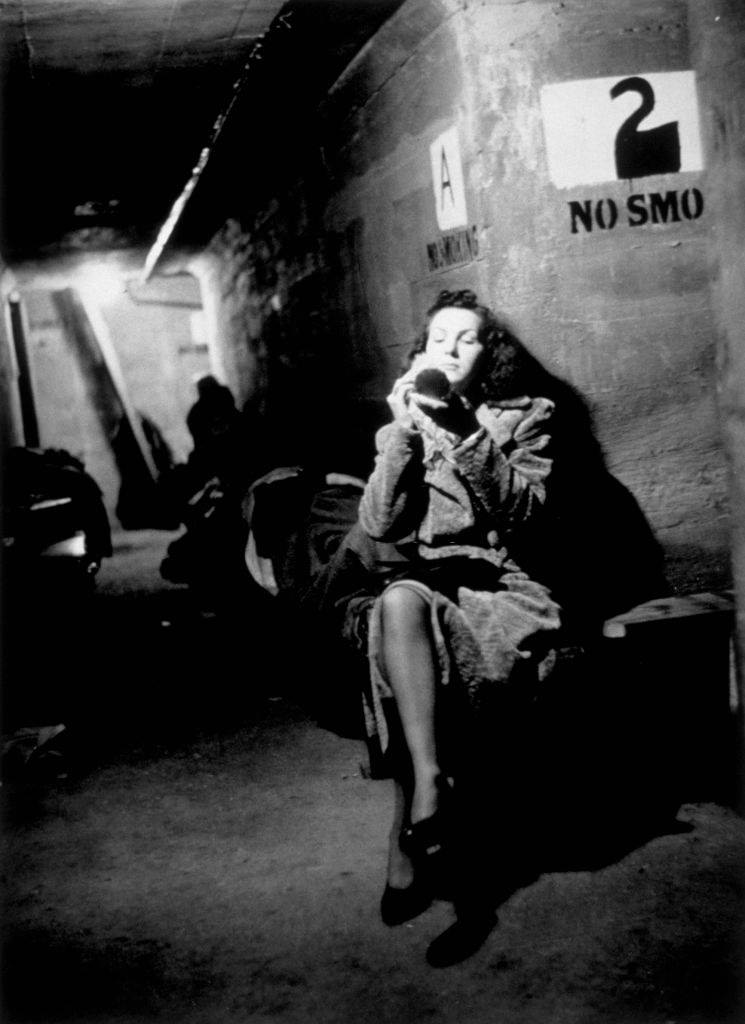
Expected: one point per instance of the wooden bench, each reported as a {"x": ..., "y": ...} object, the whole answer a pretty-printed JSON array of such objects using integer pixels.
[
  {"x": 665, "y": 609},
  {"x": 692, "y": 607},
  {"x": 685, "y": 645}
]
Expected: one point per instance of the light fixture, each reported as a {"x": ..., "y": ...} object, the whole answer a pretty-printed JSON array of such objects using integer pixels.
[{"x": 100, "y": 284}]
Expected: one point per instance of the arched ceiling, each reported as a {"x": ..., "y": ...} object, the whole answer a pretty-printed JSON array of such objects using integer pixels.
[{"x": 106, "y": 104}]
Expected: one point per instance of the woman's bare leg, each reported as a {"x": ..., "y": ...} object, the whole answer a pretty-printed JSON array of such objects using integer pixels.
[{"x": 411, "y": 671}]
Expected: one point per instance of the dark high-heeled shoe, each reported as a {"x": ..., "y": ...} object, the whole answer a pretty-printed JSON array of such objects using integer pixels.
[
  {"x": 400, "y": 905},
  {"x": 424, "y": 838},
  {"x": 461, "y": 940}
]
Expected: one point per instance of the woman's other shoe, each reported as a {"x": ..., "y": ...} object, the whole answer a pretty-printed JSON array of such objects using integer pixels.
[
  {"x": 400, "y": 905},
  {"x": 461, "y": 940}
]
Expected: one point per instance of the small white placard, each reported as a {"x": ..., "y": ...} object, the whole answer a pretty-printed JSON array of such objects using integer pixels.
[
  {"x": 650, "y": 127},
  {"x": 447, "y": 179}
]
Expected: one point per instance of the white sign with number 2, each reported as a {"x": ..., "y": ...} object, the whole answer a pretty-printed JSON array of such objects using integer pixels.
[{"x": 628, "y": 126}]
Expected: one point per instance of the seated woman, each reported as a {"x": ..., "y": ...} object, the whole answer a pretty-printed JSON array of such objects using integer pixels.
[{"x": 451, "y": 618}]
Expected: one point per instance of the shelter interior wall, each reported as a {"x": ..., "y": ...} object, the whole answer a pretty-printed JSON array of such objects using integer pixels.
[{"x": 627, "y": 314}]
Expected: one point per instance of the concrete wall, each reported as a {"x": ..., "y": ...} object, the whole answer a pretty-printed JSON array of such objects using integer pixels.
[
  {"x": 67, "y": 416},
  {"x": 627, "y": 312},
  {"x": 718, "y": 41}
]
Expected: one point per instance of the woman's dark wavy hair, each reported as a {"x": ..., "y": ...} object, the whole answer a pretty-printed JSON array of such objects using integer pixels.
[{"x": 509, "y": 370}]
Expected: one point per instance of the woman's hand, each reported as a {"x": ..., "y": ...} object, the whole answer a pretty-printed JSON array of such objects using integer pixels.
[
  {"x": 454, "y": 415},
  {"x": 399, "y": 404},
  {"x": 399, "y": 400}
]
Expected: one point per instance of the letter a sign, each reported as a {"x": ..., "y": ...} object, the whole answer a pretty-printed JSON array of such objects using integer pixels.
[{"x": 447, "y": 179}]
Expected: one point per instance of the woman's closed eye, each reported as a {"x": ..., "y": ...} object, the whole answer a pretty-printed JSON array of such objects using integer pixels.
[{"x": 467, "y": 337}]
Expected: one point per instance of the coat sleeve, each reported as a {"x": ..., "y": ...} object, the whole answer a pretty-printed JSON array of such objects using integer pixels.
[
  {"x": 509, "y": 481},
  {"x": 394, "y": 498}
]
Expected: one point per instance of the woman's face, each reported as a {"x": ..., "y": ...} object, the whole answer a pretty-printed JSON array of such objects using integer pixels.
[{"x": 453, "y": 346}]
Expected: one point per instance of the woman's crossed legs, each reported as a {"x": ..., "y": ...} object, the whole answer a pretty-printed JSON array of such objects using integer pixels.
[{"x": 411, "y": 670}]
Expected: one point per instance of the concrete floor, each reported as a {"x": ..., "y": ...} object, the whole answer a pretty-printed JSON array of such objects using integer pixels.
[{"x": 213, "y": 856}]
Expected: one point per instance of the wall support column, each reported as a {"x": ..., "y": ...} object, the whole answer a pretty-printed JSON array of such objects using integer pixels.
[{"x": 717, "y": 31}]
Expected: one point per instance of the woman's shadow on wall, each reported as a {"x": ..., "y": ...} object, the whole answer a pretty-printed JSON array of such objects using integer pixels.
[{"x": 584, "y": 770}]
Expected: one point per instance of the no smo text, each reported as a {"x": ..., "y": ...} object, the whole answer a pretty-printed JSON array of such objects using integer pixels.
[{"x": 655, "y": 208}]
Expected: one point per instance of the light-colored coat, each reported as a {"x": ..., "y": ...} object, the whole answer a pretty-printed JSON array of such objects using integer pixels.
[
  {"x": 460, "y": 497},
  {"x": 470, "y": 498}
]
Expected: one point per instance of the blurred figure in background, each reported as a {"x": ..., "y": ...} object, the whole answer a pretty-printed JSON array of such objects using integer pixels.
[
  {"x": 208, "y": 490},
  {"x": 213, "y": 422}
]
